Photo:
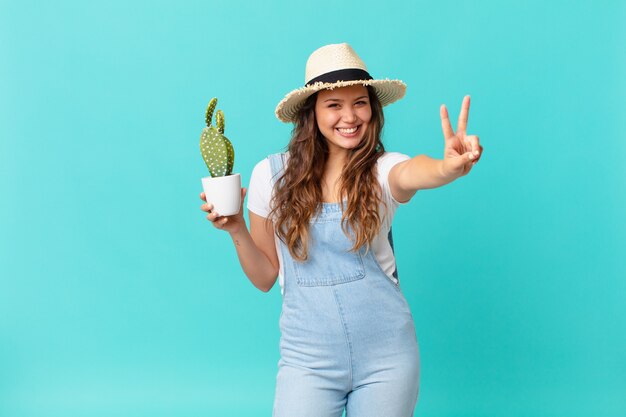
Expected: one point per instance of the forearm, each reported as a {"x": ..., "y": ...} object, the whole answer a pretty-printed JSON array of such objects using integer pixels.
[
  {"x": 254, "y": 263},
  {"x": 422, "y": 172}
]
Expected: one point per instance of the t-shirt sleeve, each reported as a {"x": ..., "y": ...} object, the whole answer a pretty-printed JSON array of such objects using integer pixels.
[
  {"x": 385, "y": 163},
  {"x": 260, "y": 189}
]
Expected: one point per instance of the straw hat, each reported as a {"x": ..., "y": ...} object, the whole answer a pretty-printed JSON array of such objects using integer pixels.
[{"x": 333, "y": 66}]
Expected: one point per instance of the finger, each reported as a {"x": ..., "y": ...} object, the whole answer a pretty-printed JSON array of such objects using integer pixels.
[
  {"x": 212, "y": 217},
  {"x": 206, "y": 207},
  {"x": 218, "y": 224},
  {"x": 469, "y": 161},
  {"x": 445, "y": 122},
  {"x": 474, "y": 145},
  {"x": 462, "y": 125},
  {"x": 202, "y": 196},
  {"x": 480, "y": 154}
]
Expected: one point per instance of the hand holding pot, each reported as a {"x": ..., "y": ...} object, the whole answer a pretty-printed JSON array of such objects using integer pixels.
[
  {"x": 224, "y": 193},
  {"x": 231, "y": 224}
]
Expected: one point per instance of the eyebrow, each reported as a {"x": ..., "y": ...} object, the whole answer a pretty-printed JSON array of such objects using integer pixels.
[{"x": 336, "y": 99}]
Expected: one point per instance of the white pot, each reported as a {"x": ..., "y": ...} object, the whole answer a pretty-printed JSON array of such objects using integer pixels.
[{"x": 224, "y": 193}]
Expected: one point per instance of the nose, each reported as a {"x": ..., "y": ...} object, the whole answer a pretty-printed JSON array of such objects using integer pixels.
[{"x": 348, "y": 115}]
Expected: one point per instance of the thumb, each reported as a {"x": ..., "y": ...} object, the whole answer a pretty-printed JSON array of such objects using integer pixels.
[
  {"x": 455, "y": 164},
  {"x": 469, "y": 156},
  {"x": 466, "y": 161}
]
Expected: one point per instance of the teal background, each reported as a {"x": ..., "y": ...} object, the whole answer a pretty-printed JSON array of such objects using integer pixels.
[{"x": 117, "y": 297}]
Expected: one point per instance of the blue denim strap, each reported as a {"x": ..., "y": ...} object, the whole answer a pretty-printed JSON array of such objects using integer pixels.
[
  {"x": 390, "y": 238},
  {"x": 277, "y": 165}
]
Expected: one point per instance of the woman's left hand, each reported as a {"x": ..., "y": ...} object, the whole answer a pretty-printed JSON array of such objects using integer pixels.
[{"x": 462, "y": 151}]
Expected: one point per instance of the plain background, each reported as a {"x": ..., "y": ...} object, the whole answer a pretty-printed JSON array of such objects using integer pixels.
[{"x": 118, "y": 298}]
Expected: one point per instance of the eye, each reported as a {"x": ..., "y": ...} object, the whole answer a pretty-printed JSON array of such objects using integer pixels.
[
  {"x": 333, "y": 105},
  {"x": 361, "y": 102}
]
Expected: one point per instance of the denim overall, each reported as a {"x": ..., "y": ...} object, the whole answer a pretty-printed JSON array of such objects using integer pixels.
[{"x": 347, "y": 334}]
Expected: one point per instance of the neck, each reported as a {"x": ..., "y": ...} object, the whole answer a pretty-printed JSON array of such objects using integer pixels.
[{"x": 336, "y": 161}]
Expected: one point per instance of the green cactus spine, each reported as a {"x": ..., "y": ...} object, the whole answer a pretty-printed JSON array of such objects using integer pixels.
[{"x": 216, "y": 149}]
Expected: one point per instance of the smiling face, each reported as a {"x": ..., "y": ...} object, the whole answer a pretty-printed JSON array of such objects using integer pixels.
[{"x": 342, "y": 116}]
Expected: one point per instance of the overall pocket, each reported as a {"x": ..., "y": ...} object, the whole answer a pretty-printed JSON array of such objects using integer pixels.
[{"x": 330, "y": 260}]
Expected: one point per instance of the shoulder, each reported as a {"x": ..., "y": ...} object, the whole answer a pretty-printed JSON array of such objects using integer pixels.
[
  {"x": 260, "y": 188},
  {"x": 384, "y": 164},
  {"x": 261, "y": 170},
  {"x": 387, "y": 161},
  {"x": 264, "y": 167},
  {"x": 386, "y": 157}
]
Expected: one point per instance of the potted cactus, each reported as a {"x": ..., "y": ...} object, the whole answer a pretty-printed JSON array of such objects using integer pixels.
[{"x": 222, "y": 188}]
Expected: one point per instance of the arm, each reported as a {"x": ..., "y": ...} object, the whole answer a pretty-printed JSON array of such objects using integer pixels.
[
  {"x": 420, "y": 172},
  {"x": 255, "y": 248},
  {"x": 461, "y": 153},
  {"x": 257, "y": 252}
]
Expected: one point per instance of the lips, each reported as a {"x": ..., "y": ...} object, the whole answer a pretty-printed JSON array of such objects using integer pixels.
[{"x": 348, "y": 132}]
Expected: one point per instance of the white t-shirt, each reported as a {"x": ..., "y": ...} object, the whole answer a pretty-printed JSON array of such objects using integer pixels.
[{"x": 260, "y": 194}]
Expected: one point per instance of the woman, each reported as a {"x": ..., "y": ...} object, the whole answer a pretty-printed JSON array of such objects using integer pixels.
[{"x": 320, "y": 219}]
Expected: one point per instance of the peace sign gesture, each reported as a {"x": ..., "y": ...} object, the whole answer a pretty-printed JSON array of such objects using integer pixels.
[{"x": 461, "y": 151}]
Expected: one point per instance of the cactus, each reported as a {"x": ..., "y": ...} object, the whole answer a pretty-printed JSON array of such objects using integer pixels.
[{"x": 216, "y": 149}]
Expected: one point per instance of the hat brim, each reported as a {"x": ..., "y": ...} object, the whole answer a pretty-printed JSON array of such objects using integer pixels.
[{"x": 387, "y": 92}]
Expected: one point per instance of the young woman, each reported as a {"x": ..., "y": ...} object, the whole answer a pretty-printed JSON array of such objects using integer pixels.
[{"x": 320, "y": 220}]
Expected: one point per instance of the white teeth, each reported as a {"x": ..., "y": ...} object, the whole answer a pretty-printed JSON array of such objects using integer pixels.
[{"x": 348, "y": 130}]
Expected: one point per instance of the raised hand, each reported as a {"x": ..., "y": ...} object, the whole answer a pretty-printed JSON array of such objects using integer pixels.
[{"x": 462, "y": 151}]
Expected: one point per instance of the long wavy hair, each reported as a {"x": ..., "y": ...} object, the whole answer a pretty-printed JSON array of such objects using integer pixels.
[{"x": 298, "y": 192}]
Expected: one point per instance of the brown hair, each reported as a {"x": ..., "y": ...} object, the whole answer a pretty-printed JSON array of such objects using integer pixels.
[{"x": 298, "y": 192}]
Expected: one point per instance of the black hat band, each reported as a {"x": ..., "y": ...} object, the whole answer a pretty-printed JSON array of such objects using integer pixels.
[{"x": 351, "y": 74}]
